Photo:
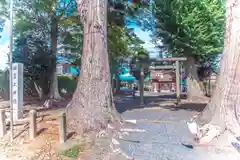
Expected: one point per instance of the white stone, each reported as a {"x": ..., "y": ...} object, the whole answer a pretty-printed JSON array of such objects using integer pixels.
[
  {"x": 115, "y": 142},
  {"x": 193, "y": 128},
  {"x": 132, "y": 130},
  {"x": 134, "y": 121},
  {"x": 110, "y": 126}
]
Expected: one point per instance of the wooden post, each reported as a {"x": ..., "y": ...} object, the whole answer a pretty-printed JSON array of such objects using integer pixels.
[
  {"x": 32, "y": 124},
  {"x": 142, "y": 86},
  {"x": 2, "y": 123},
  {"x": 178, "y": 81},
  {"x": 62, "y": 128}
]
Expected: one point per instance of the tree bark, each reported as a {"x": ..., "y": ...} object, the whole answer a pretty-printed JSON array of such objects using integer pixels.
[
  {"x": 54, "y": 92},
  {"x": 39, "y": 90},
  {"x": 194, "y": 90},
  {"x": 223, "y": 111},
  {"x": 92, "y": 106}
]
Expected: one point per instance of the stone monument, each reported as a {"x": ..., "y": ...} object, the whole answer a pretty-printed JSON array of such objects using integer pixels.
[{"x": 17, "y": 90}]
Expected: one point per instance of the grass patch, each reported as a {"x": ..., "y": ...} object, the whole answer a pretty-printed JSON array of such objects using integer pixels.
[{"x": 73, "y": 151}]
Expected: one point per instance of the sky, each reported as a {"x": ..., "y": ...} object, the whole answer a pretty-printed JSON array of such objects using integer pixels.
[
  {"x": 4, "y": 43},
  {"x": 145, "y": 36}
]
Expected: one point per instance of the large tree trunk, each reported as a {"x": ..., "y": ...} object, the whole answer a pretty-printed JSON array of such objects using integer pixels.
[
  {"x": 92, "y": 106},
  {"x": 194, "y": 90},
  {"x": 223, "y": 112},
  {"x": 54, "y": 92}
]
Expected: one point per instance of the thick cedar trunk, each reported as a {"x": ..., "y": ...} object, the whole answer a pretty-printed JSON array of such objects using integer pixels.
[
  {"x": 194, "y": 90},
  {"x": 224, "y": 110},
  {"x": 92, "y": 106},
  {"x": 54, "y": 92}
]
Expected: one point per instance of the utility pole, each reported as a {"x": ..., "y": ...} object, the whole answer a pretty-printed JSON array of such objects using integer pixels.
[
  {"x": 178, "y": 81},
  {"x": 141, "y": 85},
  {"x": 10, "y": 67}
]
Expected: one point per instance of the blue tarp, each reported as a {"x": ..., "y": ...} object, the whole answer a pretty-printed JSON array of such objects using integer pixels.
[
  {"x": 125, "y": 74},
  {"x": 127, "y": 77},
  {"x": 75, "y": 70},
  {"x": 60, "y": 59}
]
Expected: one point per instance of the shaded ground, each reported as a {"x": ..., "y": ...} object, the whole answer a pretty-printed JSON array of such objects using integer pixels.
[
  {"x": 166, "y": 131},
  {"x": 151, "y": 99}
]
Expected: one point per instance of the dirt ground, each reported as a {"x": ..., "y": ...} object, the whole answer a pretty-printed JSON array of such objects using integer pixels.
[{"x": 44, "y": 146}]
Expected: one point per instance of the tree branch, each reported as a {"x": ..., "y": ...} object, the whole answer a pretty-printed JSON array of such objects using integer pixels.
[{"x": 68, "y": 5}]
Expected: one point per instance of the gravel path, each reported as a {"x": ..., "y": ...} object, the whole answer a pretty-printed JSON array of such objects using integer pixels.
[{"x": 165, "y": 133}]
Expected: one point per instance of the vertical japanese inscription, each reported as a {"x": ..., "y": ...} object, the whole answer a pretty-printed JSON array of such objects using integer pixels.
[{"x": 17, "y": 90}]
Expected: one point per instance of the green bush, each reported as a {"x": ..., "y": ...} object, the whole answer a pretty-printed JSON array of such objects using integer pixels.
[
  {"x": 73, "y": 151},
  {"x": 67, "y": 83}
]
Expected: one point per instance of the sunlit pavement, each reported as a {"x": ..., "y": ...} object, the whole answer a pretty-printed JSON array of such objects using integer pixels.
[{"x": 165, "y": 133}]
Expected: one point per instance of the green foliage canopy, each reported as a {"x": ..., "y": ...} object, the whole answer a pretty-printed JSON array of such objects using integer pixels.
[
  {"x": 190, "y": 27},
  {"x": 3, "y": 14},
  {"x": 140, "y": 60}
]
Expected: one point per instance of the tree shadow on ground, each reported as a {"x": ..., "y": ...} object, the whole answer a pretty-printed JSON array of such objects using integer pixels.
[
  {"x": 126, "y": 103},
  {"x": 56, "y": 104}
]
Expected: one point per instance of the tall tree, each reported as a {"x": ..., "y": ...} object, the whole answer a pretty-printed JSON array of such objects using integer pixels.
[
  {"x": 92, "y": 107},
  {"x": 223, "y": 112},
  {"x": 140, "y": 69},
  {"x": 122, "y": 44},
  {"x": 3, "y": 14},
  {"x": 193, "y": 29},
  {"x": 38, "y": 62},
  {"x": 55, "y": 22},
  {"x": 92, "y": 104}
]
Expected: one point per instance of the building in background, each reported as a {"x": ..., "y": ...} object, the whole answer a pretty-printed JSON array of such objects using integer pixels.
[
  {"x": 65, "y": 67},
  {"x": 163, "y": 78}
]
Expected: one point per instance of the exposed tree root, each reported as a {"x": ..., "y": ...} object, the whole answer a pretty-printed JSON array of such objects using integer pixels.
[
  {"x": 93, "y": 121},
  {"x": 47, "y": 103}
]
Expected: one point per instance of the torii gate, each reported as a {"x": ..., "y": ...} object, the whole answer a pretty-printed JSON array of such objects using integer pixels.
[{"x": 177, "y": 61}]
